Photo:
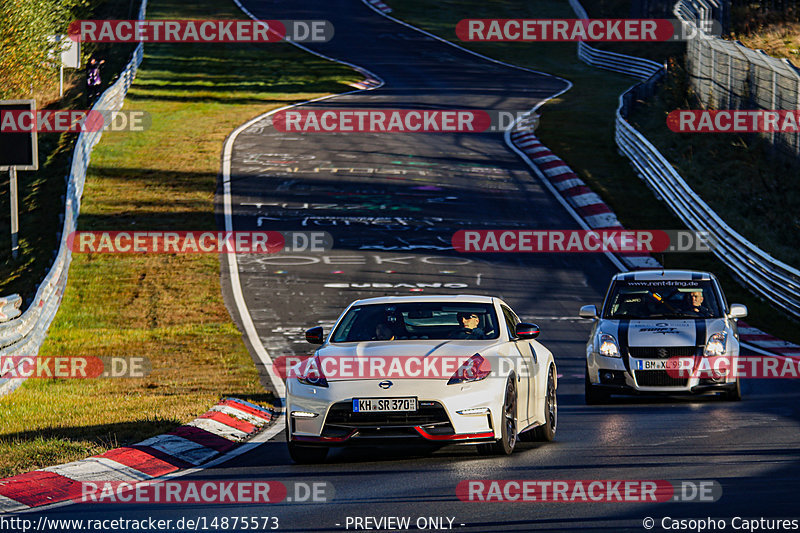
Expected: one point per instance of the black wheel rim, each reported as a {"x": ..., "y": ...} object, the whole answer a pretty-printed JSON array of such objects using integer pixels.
[
  {"x": 511, "y": 415},
  {"x": 552, "y": 403}
]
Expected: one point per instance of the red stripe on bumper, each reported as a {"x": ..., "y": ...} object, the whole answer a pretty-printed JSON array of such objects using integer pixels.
[
  {"x": 304, "y": 438},
  {"x": 459, "y": 436}
]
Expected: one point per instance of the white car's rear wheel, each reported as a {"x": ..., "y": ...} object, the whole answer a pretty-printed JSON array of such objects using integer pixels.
[{"x": 508, "y": 440}]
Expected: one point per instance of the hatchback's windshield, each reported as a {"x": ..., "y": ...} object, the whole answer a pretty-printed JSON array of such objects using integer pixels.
[
  {"x": 418, "y": 320},
  {"x": 662, "y": 299}
]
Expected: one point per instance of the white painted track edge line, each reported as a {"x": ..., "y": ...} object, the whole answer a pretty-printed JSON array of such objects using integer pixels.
[{"x": 236, "y": 287}]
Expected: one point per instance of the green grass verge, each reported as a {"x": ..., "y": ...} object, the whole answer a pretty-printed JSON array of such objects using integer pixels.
[
  {"x": 579, "y": 126},
  {"x": 167, "y": 308}
]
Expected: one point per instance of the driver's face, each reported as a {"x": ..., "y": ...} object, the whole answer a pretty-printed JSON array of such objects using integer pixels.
[
  {"x": 696, "y": 298},
  {"x": 471, "y": 321}
]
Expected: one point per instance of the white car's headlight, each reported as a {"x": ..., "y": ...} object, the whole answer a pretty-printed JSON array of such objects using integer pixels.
[
  {"x": 475, "y": 368},
  {"x": 608, "y": 345},
  {"x": 309, "y": 372},
  {"x": 716, "y": 344}
]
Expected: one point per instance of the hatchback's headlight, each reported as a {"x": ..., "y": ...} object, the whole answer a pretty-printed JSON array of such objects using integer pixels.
[
  {"x": 716, "y": 345},
  {"x": 609, "y": 346}
]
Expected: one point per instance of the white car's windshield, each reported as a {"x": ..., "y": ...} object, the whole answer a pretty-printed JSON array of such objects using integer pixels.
[
  {"x": 418, "y": 320},
  {"x": 662, "y": 299}
]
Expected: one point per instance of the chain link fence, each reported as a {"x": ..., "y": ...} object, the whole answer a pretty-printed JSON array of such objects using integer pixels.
[{"x": 728, "y": 75}]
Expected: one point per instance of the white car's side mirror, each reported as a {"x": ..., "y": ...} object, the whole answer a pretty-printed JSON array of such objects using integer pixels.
[
  {"x": 588, "y": 311},
  {"x": 738, "y": 311}
]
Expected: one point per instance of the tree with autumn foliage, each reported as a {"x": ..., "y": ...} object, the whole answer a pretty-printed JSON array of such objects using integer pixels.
[{"x": 24, "y": 48}]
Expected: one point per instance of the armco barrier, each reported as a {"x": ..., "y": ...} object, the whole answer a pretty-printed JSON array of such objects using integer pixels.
[
  {"x": 10, "y": 307},
  {"x": 24, "y": 335},
  {"x": 621, "y": 63},
  {"x": 764, "y": 275}
]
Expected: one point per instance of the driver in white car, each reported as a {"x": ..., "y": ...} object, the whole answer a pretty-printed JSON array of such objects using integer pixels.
[{"x": 469, "y": 327}]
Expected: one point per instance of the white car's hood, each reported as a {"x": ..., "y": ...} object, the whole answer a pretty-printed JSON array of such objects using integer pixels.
[
  {"x": 660, "y": 332},
  {"x": 416, "y": 348},
  {"x": 442, "y": 354}
]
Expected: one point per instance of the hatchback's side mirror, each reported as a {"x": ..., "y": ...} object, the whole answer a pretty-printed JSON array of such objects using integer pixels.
[
  {"x": 738, "y": 311},
  {"x": 527, "y": 331},
  {"x": 314, "y": 335},
  {"x": 588, "y": 311}
]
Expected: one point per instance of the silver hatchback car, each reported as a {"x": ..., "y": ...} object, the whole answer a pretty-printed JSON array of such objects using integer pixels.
[{"x": 652, "y": 320}]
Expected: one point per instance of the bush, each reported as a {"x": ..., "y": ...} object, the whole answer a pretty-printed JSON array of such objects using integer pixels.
[{"x": 24, "y": 66}]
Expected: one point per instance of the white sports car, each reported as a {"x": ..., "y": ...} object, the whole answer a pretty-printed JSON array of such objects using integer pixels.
[
  {"x": 655, "y": 323},
  {"x": 440, "y": 369}
]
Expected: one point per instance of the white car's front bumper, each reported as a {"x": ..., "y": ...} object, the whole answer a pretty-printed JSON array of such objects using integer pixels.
[{"x": 437, "y": 419}]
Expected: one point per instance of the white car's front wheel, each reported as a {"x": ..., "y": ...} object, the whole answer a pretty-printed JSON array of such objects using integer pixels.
[
  {"x": 547, "y": 431},
  {"x": 304, "y": 454},
  {"x": 508, "y": 439}
]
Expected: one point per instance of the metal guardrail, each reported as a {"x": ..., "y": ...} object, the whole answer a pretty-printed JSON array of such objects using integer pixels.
[
  {"x": 621, "y": 63},
  {"x": 767, "y": 277},
  {"x": 10, "y": 307},
  {"x": 701, "y": 13},
  {"x": 23, "y": 336}
]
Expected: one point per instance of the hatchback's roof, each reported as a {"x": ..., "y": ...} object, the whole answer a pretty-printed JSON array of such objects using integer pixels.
[
  {"x": 658, "y": 275},
  {"x": 458, "y": 298}
]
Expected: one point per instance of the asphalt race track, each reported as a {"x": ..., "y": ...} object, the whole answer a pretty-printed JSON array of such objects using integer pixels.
[{"x": 392, "y": 203}]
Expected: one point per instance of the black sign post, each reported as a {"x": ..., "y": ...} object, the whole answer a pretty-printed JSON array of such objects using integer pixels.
[{"x": 18, "y": 151}]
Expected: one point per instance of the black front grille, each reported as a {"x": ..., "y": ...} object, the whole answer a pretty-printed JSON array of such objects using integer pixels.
[
  {"x": 429, "y": 413},
  {"x": 658, "y": 378},
  {"x": 664, "y": 352}
]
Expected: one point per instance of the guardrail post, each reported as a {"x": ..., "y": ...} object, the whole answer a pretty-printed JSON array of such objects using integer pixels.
[
  {"x": 713, "y": 79},
  {"x": 730, "y": 81},
  {"x": 774, "y": 99}
]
